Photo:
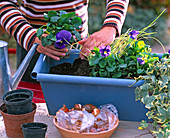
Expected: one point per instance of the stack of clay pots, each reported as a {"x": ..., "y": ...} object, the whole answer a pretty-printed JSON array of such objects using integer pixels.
[{"x": 18, "y": 110}]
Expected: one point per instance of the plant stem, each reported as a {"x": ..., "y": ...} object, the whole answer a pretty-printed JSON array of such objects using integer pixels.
[
  {"x": 142, "y": 135},
  {"x": 75, "y": 47},
  {"x": 149, "y": 132}
]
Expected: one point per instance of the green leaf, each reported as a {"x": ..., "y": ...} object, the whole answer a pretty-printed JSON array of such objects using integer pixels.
[
  {"x": 46, "y": 42},
  {"x": 62, "y": 13},
  {"x": 53, "y": 38},
  {"x": 69, "y": 15},
  {"x": 58, "y": 27},
  {"x": 94, "y": 73},
  {"x": 40, "y": 33},
  {"x": 166, "y": 126},
  {"x": 123, "y": 65},
  {"x": 153, "y": 78},
  {"x": 143, "y": 125},
  {"x": 140, "y": 71},
  {"x": 150, "y": 114},
  {"x": 168, "y": 86},
  {"x": 95, "y": 61},
  {"x": 165, "y": 55},
  {"x": 68, "y": 27},
  {"x": 145, "y": 87},
  {"x": 117, "y": 75},
  {"x": 137, "y": 94},
  {"x": 76, "y": 21},
  {"x": 127, "y": 59},
  {"x": 102, "y": 63},
  {"x": 51, "y": 13},
  {"x": 132, "y": 63},
  {"x": 54, "y": 19},
  {"x": 159, "y": 134},
  {"x": 48, "y": 24},
  {"x": 148, "y": 101},
  {"x": 63, "y": 21},
  {"x": 102, "y": 73},
  {"x": 154, "y": 124},
  {"x": 46, "y": 17},
  {"x": 77, "y": 34},
  {"x": 163, "y": 96},
  {"x": 96, "y": 49},
  {"x": 110, "y": 69},
  {"x": 50, "y": 36},
  {"x": 165, "y": 79},
  {"x": 163, "y": 114},
  {"x": 111, "y": 61},
  {"x": 97, "y": 53}
]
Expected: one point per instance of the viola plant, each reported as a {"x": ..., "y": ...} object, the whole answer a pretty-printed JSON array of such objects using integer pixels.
[
  {"x": 62, "y": 39},
  {"x": 105, "y": 62},
  {"x": 127, "y": 57},
  {"x": 133, "y": 34},
  {"x": 61, "y": 29}
]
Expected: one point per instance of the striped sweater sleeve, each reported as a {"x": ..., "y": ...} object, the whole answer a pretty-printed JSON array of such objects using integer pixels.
[
  {"x": 15, "y": 24},
  {"x": 115, "y": 14}
]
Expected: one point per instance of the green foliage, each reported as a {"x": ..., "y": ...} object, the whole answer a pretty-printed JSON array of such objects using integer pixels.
[
  {"x": 155, "y": 95},
  {"x": 57, "y": 21},
  {"x": 122, "y": 65}
]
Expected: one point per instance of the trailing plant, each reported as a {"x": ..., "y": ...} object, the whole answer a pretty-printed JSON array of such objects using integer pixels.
[
  {"x": 61, "y": 29},
  {"x": 155, "y": 95}
]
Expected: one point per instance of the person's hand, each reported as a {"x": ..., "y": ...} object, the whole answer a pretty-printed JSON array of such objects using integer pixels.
[
  {"x": 103, "y": 37},
  {"x": 50, "y": 50}
]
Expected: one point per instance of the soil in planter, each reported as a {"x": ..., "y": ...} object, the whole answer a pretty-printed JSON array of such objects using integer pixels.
[{"x": 80, "y": 67}]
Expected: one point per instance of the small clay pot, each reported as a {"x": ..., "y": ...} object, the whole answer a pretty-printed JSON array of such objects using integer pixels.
[
  {"x": 18, "y": 101},
  {"x": 65, "y": 133},
  {"x": 34, "y": 130},
  {"x": 13, "y": 122}
]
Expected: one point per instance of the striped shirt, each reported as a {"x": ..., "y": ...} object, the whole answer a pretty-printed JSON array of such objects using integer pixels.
[{"x": 22, "y": 21}]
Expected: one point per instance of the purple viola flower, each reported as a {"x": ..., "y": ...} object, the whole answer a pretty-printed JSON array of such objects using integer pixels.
[
  {"x": 140, "y": 60},
  {"x": 169, "y": 51},
  {"x": 133, "y": 34},
  {"x": 63, "y": 37},
  {"x": 105, "y": 50}
]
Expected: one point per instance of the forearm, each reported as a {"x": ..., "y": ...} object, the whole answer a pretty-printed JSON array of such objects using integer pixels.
[
  {"x": 15, "y": 24},
  {"x": 115, "y": 14}
]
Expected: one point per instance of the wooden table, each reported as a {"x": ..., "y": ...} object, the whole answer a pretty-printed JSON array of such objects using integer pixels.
[{"x": 126, "y": 129}]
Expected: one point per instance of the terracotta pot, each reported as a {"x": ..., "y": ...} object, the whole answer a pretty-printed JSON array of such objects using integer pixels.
[
  {"x": 65, "y": 133},
  {"x": 13, "y": 122}
]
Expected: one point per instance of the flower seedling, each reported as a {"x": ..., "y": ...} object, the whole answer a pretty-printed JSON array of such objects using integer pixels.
[{"x": 61, "y": 29}]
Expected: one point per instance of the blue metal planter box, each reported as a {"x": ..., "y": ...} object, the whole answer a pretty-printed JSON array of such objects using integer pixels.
[{"x": 69, "y": 90}]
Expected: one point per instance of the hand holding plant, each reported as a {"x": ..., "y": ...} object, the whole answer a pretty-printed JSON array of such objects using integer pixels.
[{"x": 61, "y": 29}]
